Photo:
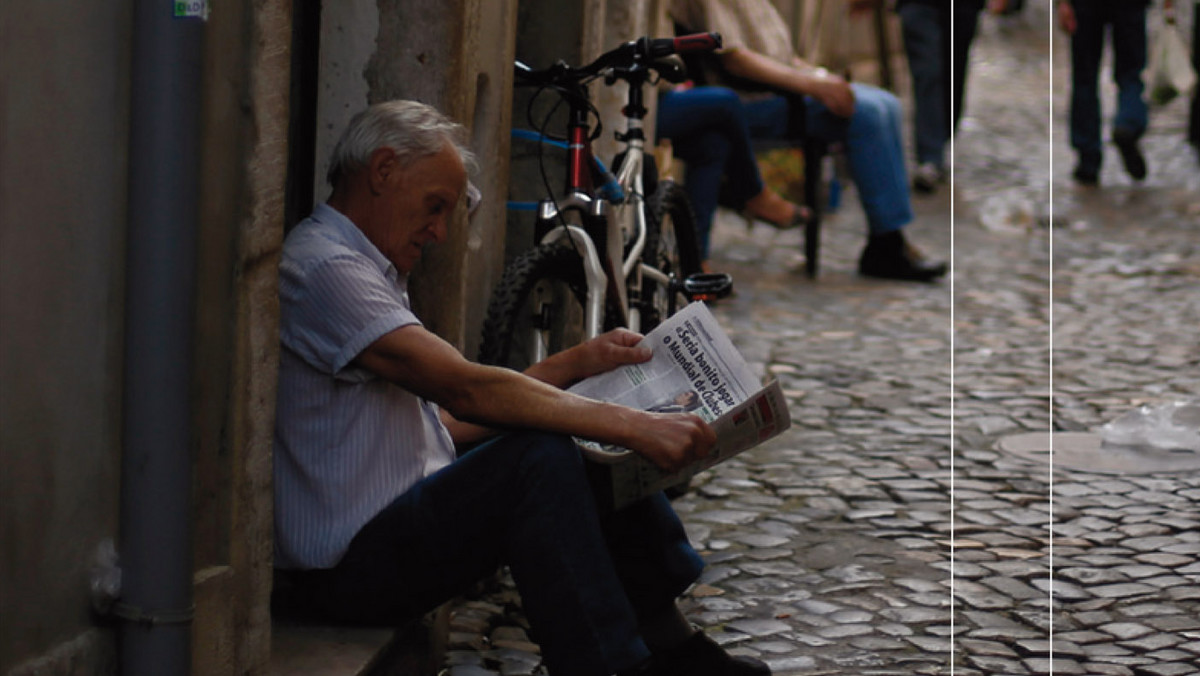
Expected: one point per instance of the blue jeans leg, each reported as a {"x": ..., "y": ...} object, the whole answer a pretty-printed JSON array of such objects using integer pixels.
[
  {"x": 1129, "y": 60},
  {"x": 923, "y": 45},
  {"x": 523, "y": 500},
  {"x": 707, "y": 129},
  {"x": 875, "y": 152},
  {"x": 873, "y": 147}
]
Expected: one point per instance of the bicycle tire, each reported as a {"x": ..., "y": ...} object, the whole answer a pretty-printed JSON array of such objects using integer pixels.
[
  {"x": 540, "y": 296},
  {"x": 671, "y": 246}
]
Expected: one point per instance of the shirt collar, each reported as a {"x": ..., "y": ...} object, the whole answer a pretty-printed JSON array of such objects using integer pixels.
[{"x": 354, "y": 238}]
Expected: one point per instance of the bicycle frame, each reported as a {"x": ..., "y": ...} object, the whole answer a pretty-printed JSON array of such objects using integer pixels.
[
  {"x": 624, "y": 222},
  {"x": 607, "y": 227}
]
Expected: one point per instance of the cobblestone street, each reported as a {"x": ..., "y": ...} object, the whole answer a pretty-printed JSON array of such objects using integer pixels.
[{"x": 891, "y": 530}]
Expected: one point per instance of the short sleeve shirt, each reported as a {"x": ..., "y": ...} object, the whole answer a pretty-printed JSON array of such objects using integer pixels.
[{"x": 347, "y": 442}]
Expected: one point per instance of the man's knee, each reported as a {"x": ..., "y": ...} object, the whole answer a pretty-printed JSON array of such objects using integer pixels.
[
  {"x": 727, "y": 102},
  {"x": 545, "y": 454},
  {"x": 875, "y": 102}
]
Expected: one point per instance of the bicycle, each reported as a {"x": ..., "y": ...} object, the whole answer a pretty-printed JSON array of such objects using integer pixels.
[{"x": 606, "y": 256}]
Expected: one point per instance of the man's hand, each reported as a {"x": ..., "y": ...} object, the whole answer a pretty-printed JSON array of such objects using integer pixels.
[
  {"x": 1066, "y": 17},
  {"x": 672, "y": 440},
  {"x": 608, "y": 351},
  {"x": 834, "y": 92},
  {"x": 795, "y": 76},
  {"x": 602, "y": 353}
]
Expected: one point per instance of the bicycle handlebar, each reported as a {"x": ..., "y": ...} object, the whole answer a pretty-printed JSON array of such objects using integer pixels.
[
  {"x": 696, "y": 42},
  {"x": 628, "y": 56}
]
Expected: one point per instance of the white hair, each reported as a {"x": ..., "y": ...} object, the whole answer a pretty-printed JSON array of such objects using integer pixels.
[{"x": 412, "y": 130}]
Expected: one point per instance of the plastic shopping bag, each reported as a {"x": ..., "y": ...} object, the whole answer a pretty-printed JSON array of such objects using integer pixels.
[{"x": 1169, "y": 72}]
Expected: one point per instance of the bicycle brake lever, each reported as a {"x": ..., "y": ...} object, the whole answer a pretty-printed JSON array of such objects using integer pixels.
[{"x": 670, "y": 68}]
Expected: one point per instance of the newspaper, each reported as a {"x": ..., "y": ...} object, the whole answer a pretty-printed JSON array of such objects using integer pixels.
[{"x": 694, "y": 368}]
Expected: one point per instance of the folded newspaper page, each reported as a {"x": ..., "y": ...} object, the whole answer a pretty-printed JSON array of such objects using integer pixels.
[{"x": 695, "y": 368}]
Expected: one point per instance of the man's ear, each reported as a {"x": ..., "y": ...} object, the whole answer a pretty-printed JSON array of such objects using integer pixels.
[{"x": 381, "y": 167}]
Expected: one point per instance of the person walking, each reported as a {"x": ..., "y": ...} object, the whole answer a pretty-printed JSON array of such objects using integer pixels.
[
  {"x": 1087, "y": 22},
  {"x": 937, "y": 42}
]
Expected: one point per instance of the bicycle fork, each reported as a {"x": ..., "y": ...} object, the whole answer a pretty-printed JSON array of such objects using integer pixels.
[{"x": 593, "y": 268}]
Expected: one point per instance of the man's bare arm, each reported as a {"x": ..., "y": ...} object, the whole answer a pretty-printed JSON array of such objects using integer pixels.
[
  {"x": 798, "y": 78},
  {"x": 427, "y": 366},
  {"x": 563, "y": 369}
]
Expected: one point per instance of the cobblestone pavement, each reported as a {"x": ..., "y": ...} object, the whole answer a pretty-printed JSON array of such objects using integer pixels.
[{"x": 886, "y": 532}]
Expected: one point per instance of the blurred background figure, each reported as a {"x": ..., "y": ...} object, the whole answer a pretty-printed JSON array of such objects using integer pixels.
[
  {"x": 1194, "y": 121},
  {"x": 708, "y": 130},
  {"x": 1087, "y": 21},
  {"x": 937, "y": 43},
  {"x": 782, "y": 93}
]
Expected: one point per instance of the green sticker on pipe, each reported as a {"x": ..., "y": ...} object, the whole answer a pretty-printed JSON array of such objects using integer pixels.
[{"x": 191, "y": 8}]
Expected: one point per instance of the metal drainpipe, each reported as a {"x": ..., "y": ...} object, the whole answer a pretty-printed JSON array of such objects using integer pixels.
[{"x": 155, "y": 605}]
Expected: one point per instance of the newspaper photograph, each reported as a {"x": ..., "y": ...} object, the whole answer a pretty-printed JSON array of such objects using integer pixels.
[{"x": 696, "y": 369}]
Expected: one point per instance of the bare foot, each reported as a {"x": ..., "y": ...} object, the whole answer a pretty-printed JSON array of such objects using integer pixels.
[{"x": 771, "y": 207}]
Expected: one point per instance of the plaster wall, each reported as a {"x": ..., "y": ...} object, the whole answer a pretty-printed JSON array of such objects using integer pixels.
[{"x": 64, "y": 92}]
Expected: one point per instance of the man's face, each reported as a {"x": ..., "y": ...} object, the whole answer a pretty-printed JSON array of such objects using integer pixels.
[{"x": 419, "y": 201}]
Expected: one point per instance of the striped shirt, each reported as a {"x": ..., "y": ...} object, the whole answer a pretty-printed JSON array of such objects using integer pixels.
[{"x": 347, "y": 442}]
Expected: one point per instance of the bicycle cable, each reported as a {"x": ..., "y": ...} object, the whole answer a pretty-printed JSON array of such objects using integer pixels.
[{"x": 564, "y": 93}]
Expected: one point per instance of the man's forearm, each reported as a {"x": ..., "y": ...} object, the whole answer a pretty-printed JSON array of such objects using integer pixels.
[
  {"x": 504, "y": 398},
  {"x": 559, "y": 370},
  {"x": 798, "y": 78}
]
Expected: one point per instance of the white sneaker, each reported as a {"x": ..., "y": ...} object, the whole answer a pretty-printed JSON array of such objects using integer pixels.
[{"x": 927, "y": 176}]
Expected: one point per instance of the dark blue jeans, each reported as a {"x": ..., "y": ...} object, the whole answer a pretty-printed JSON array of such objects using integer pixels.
[
  {"x": 586, "y": 575},
  {"x": 1126, "y": 20},
  {"x": 707, "y": 129}
]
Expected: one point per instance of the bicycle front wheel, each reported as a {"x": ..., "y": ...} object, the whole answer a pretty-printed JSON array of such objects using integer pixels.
[
  {"x": 671, "y": 247},
  {"x": 537, "y": 309}
]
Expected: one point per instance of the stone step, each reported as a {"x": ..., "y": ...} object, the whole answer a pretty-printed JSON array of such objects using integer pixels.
[
  {"x": 314, "y": 650},
  {"x": 299, "y": 649}
]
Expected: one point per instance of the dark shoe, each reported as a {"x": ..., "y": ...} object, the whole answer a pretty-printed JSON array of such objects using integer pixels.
[
  {"x": 1126, "y": 141},
  {"x": 701, "y": 656},
  {"x": 1086, "y": 174},
  {"x": 889, "y": 256},
  {"x": 1087, "y": 170},
  {"x": 927, "y": 176}
]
